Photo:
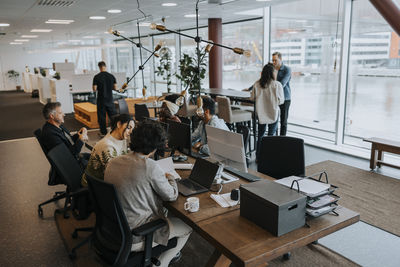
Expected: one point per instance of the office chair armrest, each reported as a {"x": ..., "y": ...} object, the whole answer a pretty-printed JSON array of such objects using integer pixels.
[
  {"x": 149, "y": 227},
  {"x": 80, "y": 191}
]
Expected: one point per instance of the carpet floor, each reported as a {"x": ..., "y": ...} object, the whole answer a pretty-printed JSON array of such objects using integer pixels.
[
  {"x": 376, "y": 197},
  {"x": 197, "y": 251},
  {"x": 20, "y": 115}
]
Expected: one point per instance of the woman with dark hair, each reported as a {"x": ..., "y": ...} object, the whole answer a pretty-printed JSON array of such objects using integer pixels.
[
  {"x": 110, "y": 146},
  {"x": 268, "y": 95},
  {"x": 142, "y": 186},
  {"x": 168, "y": 111}
]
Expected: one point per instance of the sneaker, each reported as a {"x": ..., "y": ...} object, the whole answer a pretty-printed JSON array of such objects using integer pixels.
[{"x": 177, "y": 258}]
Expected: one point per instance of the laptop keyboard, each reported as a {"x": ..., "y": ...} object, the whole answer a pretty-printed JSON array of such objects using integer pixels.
[
  {"x": 244, "y": 175},
  {"x": 191, "y": 185}
]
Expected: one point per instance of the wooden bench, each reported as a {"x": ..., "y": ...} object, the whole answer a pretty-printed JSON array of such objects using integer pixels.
[{"x": 379, "y": 146}]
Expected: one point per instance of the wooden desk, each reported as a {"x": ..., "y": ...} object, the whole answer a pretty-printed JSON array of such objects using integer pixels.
[
  {"x": 86, "y": 113},
  {"x": 378, "y": 147},
  {"x": 241, "y": 241}
]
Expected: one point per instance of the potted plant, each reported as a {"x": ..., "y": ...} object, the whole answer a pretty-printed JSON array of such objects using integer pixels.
[
  {"x": 43, "y": 72},
  {"x": 164, "y": 69},
  {"x": 188, "y": 70},
  {"x": 14, "y": 76},
  {"x": 57, "y": 76}
]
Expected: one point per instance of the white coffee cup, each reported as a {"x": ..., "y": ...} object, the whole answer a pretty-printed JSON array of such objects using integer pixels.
[{"x": 192, "y": 204}]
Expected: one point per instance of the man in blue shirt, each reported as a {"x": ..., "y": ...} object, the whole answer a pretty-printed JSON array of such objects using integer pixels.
[{"x": 284, "y": 76}]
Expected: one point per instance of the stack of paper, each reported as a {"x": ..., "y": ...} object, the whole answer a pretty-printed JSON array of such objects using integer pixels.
[
  {"x": 168, "y": 166},
  {"x": 307, "y": 186},
  {"x": 224, "y": 200}
]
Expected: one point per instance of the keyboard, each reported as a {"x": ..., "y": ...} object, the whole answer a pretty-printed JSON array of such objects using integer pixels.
[
  {"x": 244, "y": 175},
  {"x": 191, "y": 185}
]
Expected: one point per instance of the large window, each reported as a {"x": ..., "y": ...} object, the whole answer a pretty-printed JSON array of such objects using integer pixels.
[
  {"x": 373, "y": 93},
  {"x": 169, "y": 48},
  {"x": 148, "y": 68},
  {"x": 239, "y": 71},
  {"x": 307, "y": 34}
]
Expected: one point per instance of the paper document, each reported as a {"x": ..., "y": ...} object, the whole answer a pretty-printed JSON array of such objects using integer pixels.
[
  {"x": 308, "y": 186},
  {"x": 227, "y": 178},
  {"x": 183, "y": 166},
  {"x": 224, "y": 200},
  {"x": 168, "y": 166}
]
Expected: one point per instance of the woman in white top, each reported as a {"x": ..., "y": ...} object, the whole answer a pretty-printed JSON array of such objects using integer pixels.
[
  {"x": 112, "y": 145},
  {"x": 268, "y": 95}
]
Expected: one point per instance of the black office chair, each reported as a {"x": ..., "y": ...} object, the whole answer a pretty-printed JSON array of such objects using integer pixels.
[
  {"x": 53, "y": 179},
  {"x": 281, "y": 156},
  {"x": 112, "y": 238},
  {"x": 141, "y": 112},
  {"x": 122, "y": 106},
  {"x": 70, "y": 171}
]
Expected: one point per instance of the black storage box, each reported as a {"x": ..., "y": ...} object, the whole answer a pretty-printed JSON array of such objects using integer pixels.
[{"x": 272, "y": 206}]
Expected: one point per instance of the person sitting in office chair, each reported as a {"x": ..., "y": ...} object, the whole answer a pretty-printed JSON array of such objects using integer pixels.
[
  {"x": 199, "y": 136},
  {"x": 112, "y": 145},
  {"x": 142, "y": 186},
  {"x": 54, "y": 133},
  {"x": 168, "y": 111}
]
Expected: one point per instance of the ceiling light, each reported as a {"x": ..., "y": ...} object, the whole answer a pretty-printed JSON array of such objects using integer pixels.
[
  {"x": 29, "y": 36},
  {"x": 144, "y": 24},
  {"x": 4, "y": 24},
  {"x": 59, "y": 21},
  {"x": 191, "y": 16},
  {"x": 74, "y": 41},
  {"x": 169, "y": 4},
  {"x": 118, "y": 31},
  {"x": 293, "y": 32},
  {"x": 263, "y": 0},
  {"x": 14, "y": 43},
  {"x": 89, "y": 37},
  {"x": 41, "y": 30},
  {"x": 21, "y": 40},
  {"x": 114, "y": 11},
  {"x": 97, "y": 17}
]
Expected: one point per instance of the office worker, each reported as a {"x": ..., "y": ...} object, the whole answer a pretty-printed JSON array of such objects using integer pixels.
[
  {"x": 268, "y": 95},
  {"x": 54, "y": 133},
  {"x": 168, "y": 111},
  {"x": 142, "y": 186},
  {"x": 199, "y": 136},
  {"x": 103, "y": 84},
  {"x": 284, "y": 76},
  {"x": 112, "y": 145}
]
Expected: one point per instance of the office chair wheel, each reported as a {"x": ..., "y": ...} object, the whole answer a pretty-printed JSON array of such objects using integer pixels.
[
  {"x": 74, "y": 234},
  {"x": 286, "y": 256},
  {"x": 72, "y": 255},
  {"x": 40, "y": 212}
]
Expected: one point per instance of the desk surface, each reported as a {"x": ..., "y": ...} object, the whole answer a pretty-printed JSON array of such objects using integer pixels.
[
  {"x": 226, "y": 92},
  {"x": 242, "y": 241}
]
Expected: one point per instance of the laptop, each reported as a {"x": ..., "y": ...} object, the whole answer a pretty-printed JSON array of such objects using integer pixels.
[{"x": 200, "y": 179}]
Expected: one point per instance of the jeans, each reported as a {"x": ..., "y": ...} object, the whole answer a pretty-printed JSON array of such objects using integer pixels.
[
  {"x": 272, "y": 129},
  {"x": 284, "y": 116},
  {"x": 102, "y": 110}
]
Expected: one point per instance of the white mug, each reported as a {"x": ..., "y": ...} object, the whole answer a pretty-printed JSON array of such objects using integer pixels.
[{"x": 192, "y": 204}]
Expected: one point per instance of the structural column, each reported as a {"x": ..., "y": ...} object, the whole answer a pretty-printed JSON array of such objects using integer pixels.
[{"x": 215, "y": 60}]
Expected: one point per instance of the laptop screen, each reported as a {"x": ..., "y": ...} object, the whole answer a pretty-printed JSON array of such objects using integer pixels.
[{"x": 204, "y": 172}]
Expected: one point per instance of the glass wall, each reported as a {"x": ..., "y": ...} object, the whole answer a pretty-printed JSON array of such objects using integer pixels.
[
  {"x": 307, "y": 33},
  {"x": 148, "y": 68},
  {"x": 168, "y": 51},
  {"x": 240, "y": 72},
  {"x": 373, "y": 92}
]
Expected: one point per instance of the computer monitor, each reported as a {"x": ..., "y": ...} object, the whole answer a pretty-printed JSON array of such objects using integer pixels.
[
  {"x": 226, "y": 147},
  {"x": 179, "y": 137}
]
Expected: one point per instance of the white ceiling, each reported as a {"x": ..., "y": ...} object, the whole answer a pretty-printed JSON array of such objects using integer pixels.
[{"x": 24, "y": 15}]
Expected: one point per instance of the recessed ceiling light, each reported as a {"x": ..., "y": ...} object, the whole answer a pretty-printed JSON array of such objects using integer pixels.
[
  {"x": 263, "y": 0},
  {"x": 191, "y": 16},
  {"x": 41, "y": 30},
  {"x": 74, "y": 41},
  {"x": 29, "y": 36},
  {"x": 4, "y": 24},
  {"x": 114, "y": 11},
  {"x": 169, "y": 4},
  {"x": 14, "y": 43},
  {"x": 21, "y": 40},
  {"x": 59, "y": 21},
  {"x": 293, "y": 32},
  {"x": 89, "y": 37},
  {"x": 97, "y": 17}
]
